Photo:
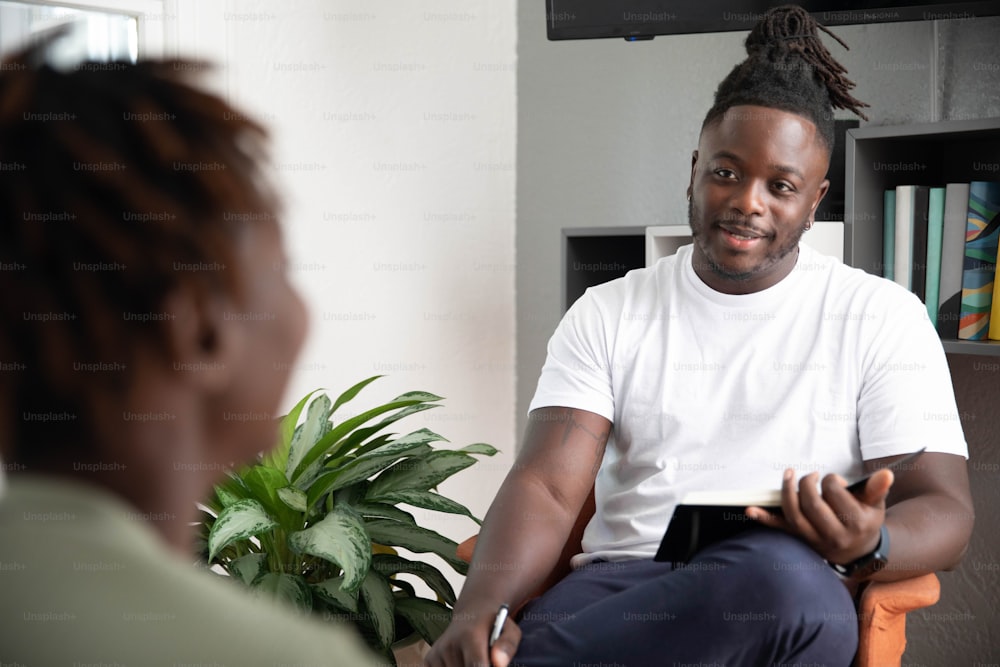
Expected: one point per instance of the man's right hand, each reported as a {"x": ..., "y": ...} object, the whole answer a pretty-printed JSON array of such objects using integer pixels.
[{"x": 464, "y": 643}]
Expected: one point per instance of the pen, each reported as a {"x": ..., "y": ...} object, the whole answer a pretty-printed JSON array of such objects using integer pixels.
[{"x": 498, "y": 623}]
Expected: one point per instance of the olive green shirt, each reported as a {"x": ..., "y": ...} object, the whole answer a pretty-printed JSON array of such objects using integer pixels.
[{"x": 85, "y": 580}]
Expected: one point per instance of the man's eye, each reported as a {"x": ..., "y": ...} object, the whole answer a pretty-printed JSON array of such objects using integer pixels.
[
  {"x": 725, "y": 173},
  {"x": 783, "y": 187}
]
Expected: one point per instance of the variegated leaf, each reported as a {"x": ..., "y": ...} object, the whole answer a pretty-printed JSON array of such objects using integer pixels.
[
  {"x": 425, "y": 499},
  {"x": 415, "y": 538},
  {"x": 480, "y": 448},
  {"x": 316, "y": 424},
  {"x": 244, "y": 518},
  {"x": 247, "y": 568},
  {"x": 294, "y": 498},
  {"x": 428, "y": 618},
  {"x": 340, "y": 538},
  {"x": 379, "y": 601},
  {"x": 287, "y": 587},
  {"x": 423, "y": 474},
  {"x": 333, "y": 589},
  {"x": 389, "y": 564}
]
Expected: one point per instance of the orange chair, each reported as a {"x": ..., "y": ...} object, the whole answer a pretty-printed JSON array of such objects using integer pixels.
[{"x": 882, "y": 606}]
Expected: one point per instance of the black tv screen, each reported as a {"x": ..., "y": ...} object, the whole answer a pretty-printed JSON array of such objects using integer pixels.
[{"x": 643, "y": 19}]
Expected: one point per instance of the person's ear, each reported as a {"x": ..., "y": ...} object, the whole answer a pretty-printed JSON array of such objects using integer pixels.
[
  {"x": 824, "y": 187},
  {"x": 694, "y": 165},
  {"x": 202, "y": 344}
]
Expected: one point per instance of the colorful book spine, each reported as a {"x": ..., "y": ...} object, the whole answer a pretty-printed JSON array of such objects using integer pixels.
[
  {"x": 981, "y": 236},
  {"x": 956, "y": 207},
  {"x": 935, "y": 231},
  {"x": 903, "y": 253},
  {"x": 889, "y": 233},
  {"x": 994, "y": 333}
]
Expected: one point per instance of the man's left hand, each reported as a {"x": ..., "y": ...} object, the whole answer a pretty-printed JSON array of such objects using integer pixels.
[{"x": 840, "y": 526}]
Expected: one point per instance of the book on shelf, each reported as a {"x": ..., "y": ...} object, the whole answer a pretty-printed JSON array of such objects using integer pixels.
[
  {"x": 994, "y": 332},
  {"x": 935, "y": 232},
  {"x": 889, "y": 233},
  {"x": 956, "y": 207},
  {"x": 908, "y": 244},
  {"x": 979, "y": 268},
  {"x": 918, "y": 258},
  {"x": 903, "y": 238}
]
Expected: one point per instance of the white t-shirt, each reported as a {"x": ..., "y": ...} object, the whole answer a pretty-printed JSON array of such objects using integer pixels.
[{"x": 710, "y": 391}]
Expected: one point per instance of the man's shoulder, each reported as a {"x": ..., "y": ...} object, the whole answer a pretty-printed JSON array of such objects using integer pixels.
[
  {"x": 129, "y": 597},
  {"x": 640, "y": 282},
  {"x": 847, "y": 281}
]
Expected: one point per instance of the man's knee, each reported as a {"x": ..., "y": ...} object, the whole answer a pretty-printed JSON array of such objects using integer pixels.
[{"x": 779, "y": 581}]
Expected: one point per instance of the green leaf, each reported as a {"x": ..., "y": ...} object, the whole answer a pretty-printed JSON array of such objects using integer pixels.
[
  {"x": 333, "y": 590},
  {"x": 383, "y": 511},
  {"x": 415, "y": 538},
  {"x": 340, "y": 538},
  {"x": 278, "y": 457},
  {"x": 480, "y": 448},
  {"x": 228, "y": 492},
  {"x": 363, "y": 467},
  {"x": 404, "y": 587},
  {"x": 364, "y": 433},
  {"x": 329, "y": 443},
  {"x": 243, "y": 519},
  {"x": 419, "y": 396},
  {"x": 247, "y": 568},
  {"x": 421, "y": 475},
  {"x": 353, "y": 391},
  {"x": 425, "y": 499},
  {"x": 294, "y": 498},
  {"x": 291, "y": 420},
  {"x": 263, "y": 483},
  {"x": 315, "y": 426},
  {"x": 290, "y": 588},
  {"x": 377, "y": 594},
  {"x": 428, "y": 618},
  {"x": 374, "y": 443},
  {"x": 389, "y": 564}
]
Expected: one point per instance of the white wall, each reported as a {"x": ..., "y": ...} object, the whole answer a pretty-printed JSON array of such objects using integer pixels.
[{"x": 394, "y": 128}]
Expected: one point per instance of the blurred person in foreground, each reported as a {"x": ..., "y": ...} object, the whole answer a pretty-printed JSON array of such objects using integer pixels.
[{"x": 148, "y": 331}]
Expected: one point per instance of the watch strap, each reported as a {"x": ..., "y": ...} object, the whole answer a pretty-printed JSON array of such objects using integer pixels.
[{"x": 870, "y": 563}]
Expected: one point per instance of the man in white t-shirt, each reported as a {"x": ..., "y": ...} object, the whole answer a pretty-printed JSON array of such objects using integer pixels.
[{"x": 741, "y": 362}]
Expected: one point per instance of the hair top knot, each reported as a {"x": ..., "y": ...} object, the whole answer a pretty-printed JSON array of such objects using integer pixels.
[{"x": 790, "y": 33}]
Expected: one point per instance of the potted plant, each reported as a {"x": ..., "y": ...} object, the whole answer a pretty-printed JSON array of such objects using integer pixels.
[{"x": 317, "y": 523}]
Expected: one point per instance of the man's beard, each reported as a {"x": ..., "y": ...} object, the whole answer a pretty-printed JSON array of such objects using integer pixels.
[{"x": 740, "y": 276}]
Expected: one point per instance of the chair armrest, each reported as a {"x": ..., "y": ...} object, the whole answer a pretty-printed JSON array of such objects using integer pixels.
[
  {"x": 465, "y": 549},
  {"x": 882, "y": 608}
]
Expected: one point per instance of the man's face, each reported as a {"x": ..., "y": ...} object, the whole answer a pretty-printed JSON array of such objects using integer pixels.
[{"x": 756, "y": 179}]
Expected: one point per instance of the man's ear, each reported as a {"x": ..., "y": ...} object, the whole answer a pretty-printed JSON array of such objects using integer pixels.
[
  {"x": 694, "y": 164},
  {"x": 824, "y": 187},
  {"x": 201, "y": 343}
]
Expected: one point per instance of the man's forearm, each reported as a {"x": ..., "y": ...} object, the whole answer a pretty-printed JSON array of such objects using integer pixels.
[
  {"x": 927, "y": 533},
  {"x": 521, "y": 540}
]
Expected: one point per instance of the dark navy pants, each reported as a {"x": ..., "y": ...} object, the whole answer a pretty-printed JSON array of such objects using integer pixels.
[{"x": 760, "y": 599}]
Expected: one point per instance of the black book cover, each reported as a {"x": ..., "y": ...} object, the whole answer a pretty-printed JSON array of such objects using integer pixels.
[{"x": 921, "y": 209}]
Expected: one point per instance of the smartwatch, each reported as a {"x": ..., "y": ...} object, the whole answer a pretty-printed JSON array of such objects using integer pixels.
[{"x": 869, "y": 564}]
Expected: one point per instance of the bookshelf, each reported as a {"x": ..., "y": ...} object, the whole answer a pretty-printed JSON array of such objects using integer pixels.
[
  {"x": 879, "y": 158},
  {"x": 595, "y": 255}
]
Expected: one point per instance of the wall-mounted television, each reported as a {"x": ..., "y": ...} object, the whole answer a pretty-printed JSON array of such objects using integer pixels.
[{"x": 636, "y": 20}]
